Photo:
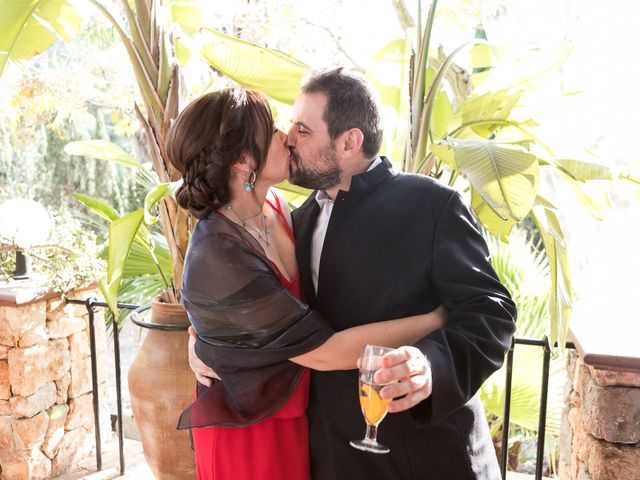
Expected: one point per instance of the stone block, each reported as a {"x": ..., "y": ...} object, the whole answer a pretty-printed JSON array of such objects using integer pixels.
[
  {"x": 5, "y": 408},
  {"x": 615, "y": 377},
  {"x": 29, "y": 432},
  {"x": 32, "y": 367},
  {"x": 30, "y": 465},
  {"x": 611, "y": 413},
  {"x": 55, "y": 430},
  {"x": 64, "y": 321},
  {"x": 62, "y": 388},
  {"x": 5, "y": 386},
  {"x": 4, "y": 352},
  {"x": 6, "y": 434},
  {"x": 80, "y": 378},
  {"x": 79, "y": 346},
  {"x": 42, "y": 399},
  {"x": 80, "y": 413},
  {"x": 596, "y": 459},
  {"x": 22, "y": 321},
  {"x": 75, "y": 445}
]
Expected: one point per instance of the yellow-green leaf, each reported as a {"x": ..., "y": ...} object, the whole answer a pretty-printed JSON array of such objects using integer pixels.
[
  {"x": 102, "y": 150},
  {"x": 584, "y": 171},
  {"x": 505, "y": 176},
  {"x": 156, "y": 195},
  {"x": 562, "y": 294},
  {"x": 97, "y": 206},
  {"x": 498, "y": 227},
  {"x": 273, "y": 72},
  {"x": 29, "y": 27}
]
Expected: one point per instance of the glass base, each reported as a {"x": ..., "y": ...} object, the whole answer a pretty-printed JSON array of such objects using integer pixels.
[{"x": 369, "y": 446}]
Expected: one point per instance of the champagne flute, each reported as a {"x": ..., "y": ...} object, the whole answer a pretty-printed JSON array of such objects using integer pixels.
[{"x": 374, "y": 407}]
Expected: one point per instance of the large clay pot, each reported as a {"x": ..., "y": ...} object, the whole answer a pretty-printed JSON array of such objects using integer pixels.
[{"x": 161, "y": 387}]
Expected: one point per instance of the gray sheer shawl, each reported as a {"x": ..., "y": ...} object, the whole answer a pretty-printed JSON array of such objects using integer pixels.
[{"x": 248, "y": 326}]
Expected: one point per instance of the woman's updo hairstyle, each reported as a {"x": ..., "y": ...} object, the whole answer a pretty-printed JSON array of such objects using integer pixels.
[{"x": 209, "y": 136}]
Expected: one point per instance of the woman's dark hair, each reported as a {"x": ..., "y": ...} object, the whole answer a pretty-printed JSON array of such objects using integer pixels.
[{"x": 209, "y": 136}]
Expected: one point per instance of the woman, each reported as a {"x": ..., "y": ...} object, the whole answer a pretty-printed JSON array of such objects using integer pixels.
[{"x": 241, "y": 290}]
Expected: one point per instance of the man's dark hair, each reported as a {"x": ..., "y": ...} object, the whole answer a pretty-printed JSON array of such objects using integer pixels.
[{"x": 351, "y": 103}]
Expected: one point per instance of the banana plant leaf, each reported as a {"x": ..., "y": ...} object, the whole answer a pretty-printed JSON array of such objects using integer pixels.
[
  {"x": 29, "y": 27},
  {"x": 295, "y": 195},
  {"x": 273, "y": 72},
  {"x": 504, "y": 176},
  {"x": 121, "y": 235},
  {"x": 562, "y": 294},
  {"x": 102, "y": 150},
  {"x": 155, "y": 196},
  {"x": 524, "y": 270}
]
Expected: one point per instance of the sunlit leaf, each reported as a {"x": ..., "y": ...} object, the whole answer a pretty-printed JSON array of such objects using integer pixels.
[
  {"x": 498, "y": 227},
  {"x": 121, "y": 235},
  {"x": 273, "y": 72},
  {"x": 155, "y": 196},
  {"x": 505, "y": 176},
  {"x": 295, "y": 195},
  {"x": 102, "y": 150},
  {"x": 29, "y": 27},
  {"x": 97, "y": 206},
  {"x": 562, "y": 294},
  {"x": 584, "y": 171}
]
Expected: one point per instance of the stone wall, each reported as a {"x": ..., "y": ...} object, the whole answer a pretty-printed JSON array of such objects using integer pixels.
[
  {"x": 46, "y": 400},
  {"x": 601, "y": 424}
]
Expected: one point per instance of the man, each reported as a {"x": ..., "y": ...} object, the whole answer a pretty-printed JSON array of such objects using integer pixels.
[{"x": 371, "y": 245}]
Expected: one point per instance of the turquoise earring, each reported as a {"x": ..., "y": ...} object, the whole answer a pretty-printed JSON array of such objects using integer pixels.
[{"x": 248, "y": 185}]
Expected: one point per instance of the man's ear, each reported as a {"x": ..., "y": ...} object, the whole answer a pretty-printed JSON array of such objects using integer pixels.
[{"x": 352, "y": 141}]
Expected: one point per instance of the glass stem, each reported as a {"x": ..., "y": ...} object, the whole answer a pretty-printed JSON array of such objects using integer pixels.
[{"x": 372, "y": 433}]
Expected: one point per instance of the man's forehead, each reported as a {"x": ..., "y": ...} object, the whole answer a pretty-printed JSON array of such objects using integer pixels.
[{"x": 309, "y": 107}]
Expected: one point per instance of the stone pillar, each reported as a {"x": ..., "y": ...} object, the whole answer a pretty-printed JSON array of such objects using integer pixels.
[
  {"x": 46, "y": 399},
  {"x": 600, "y": 437}
]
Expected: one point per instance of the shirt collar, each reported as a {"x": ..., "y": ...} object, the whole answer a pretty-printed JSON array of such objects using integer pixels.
[{"x": 371, "y": 177}]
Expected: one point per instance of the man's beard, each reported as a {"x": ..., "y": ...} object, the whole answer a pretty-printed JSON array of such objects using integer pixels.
[{"x": 314, "y": 179}]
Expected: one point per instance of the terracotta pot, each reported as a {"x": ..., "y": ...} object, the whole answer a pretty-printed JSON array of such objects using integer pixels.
[{"x": 161, "y": 387}]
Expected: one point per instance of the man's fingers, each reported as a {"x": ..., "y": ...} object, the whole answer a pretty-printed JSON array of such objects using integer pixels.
[
  {"x": 405, "y": 387},
  {"x": 407, "y": 402},
  {"x": 408, "y": 368}
]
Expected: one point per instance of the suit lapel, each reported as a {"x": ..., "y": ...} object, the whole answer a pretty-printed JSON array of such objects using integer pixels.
[{"x": 304, "y": 222}]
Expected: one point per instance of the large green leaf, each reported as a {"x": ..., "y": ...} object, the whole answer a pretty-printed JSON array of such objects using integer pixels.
[
  {"x": 498, "y": 227},
  {"x": 524, "y": 270},
  {"x": 185, "y": 13},
  {"x": 487, "y": 111},
  {"x": 505, "y": 176},
  {"x": 295, "y": 195},
  {"x": 29, "y": 27},
  {"x": 584, "y": 171},
  {"x": 156, "y": 195},
  {"x": 273, "y": 72},
  {"x": 97, "y": 206},
  {"x": 562, "y": 294},
  {"x": 121, "y": 235},
  {"x": 102, "y": 150}
]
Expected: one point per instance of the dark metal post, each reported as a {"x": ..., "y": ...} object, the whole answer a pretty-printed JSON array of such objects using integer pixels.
[
  {"x": 542, "y": 419},
  {"x": 116, "y": 353},
  {"x": 504, "y": 453},
  {"x": 90, "y": 306}
]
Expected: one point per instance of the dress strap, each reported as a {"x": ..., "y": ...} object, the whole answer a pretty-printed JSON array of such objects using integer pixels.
[{"x": 277, "y": 207}]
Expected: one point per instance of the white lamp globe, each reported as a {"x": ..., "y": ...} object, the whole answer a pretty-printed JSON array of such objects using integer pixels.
[{"x": 24, "y": 222}]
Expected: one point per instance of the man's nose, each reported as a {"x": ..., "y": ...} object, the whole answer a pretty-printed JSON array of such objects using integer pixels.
[{"x": 291, "y": 137}]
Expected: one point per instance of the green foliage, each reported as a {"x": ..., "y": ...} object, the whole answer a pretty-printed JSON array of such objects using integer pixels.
[
  {"x": 524, "y": 270},
  {"x": 70, "y": 260}
]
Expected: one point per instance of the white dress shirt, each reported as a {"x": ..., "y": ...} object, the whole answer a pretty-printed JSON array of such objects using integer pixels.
[{"x": 320, "y": 230}]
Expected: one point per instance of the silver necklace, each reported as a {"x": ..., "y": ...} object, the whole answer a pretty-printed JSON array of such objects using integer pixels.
[{"x": 263, "y": 234}]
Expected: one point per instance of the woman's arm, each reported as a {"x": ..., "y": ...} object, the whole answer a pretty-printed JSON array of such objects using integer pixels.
[{"x": 342, "y": 349}]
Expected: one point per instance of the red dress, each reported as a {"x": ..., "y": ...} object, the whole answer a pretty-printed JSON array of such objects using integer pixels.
[{"x": 274, "y": 449}]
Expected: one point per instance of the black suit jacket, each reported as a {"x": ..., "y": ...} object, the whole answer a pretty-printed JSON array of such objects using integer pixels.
[{"x": 399, "y": 245}]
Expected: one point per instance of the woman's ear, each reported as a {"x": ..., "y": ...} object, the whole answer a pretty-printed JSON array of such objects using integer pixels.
[{"x": 244, "y": 165}]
